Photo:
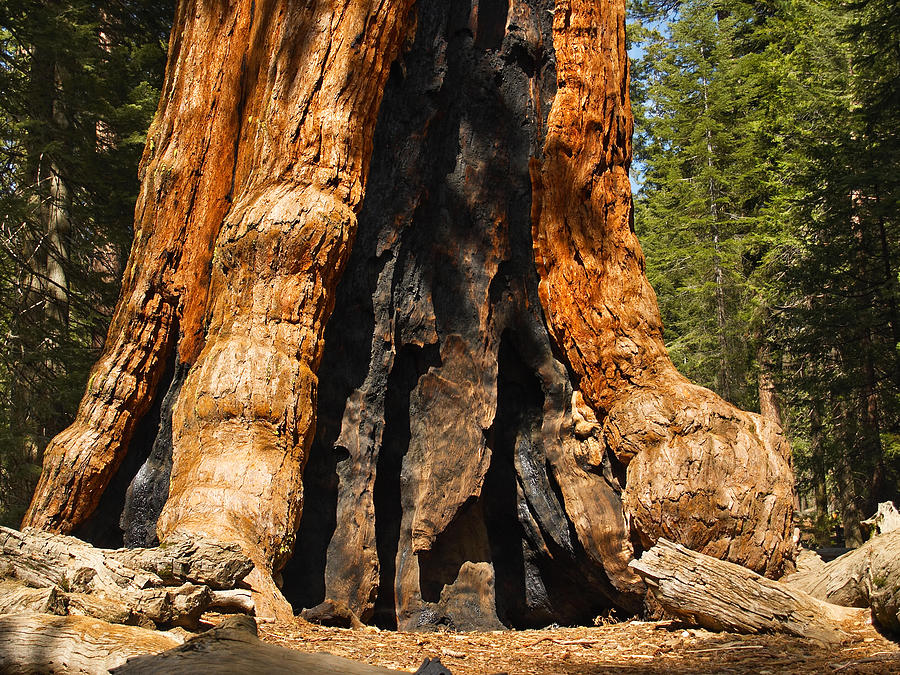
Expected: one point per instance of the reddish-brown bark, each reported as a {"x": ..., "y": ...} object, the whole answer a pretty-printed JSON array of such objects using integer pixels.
[
  {"x": 699, "y": 471},
  {"x": 464, "y": 474},
  {"x": 257, "y": 167}
]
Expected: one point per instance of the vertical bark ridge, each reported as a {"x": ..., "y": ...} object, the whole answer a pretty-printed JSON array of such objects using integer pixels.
[
  {"x": 699, "y": 471},
  {"x": 184, "y": 195},
  {"x": 312, "y": 79}
]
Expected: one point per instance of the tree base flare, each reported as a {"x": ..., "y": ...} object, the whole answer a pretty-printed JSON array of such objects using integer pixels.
[{"x": 705, "y": 474}]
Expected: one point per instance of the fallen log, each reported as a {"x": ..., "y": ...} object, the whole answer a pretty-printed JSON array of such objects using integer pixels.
[
  {"x": 886, "y": 518},
  {"x": 233, "y": 647},
  {"x": 44, "y": 643},
  {"x": 866, "y": 577},
  {"x": 719, "y": 595},
  {"x": 16, "y": 599},
  {"x": 165, "y": 586},
  {"x": 234, "y": 600},
  {"x": 181, "y": 559},
  {"x": 45, "y": 559}
]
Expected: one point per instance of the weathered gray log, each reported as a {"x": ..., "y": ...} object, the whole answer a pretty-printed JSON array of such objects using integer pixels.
[
  {"x": 181, "y": 559},
  {"x": 43, "y": 643},
  {"x": 45, "y": 559},
  {"x": 16, "y": 599},
  {"x": 99, "y": 607},
  {"x": 143, "y": 587},
  {"x": 233, "y": 600},
  {"x": 719, "y": 595},
  {"x": 148, "y": 608},
  {"x": 866, "y": 577},
  {"x": 886, "y": 518},
  {"x": 42, "y": 559},
  {"x": 233, "y": 647}
]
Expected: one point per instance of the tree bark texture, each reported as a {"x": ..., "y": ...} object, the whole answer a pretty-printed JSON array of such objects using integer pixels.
[
  {"x": 723, "y": 596},
  {"x": 471, "y": 463},
  {"x": 43, "y": 643},
  {"x": 252, "y": 176},
  {"x": 700, "y": 471}
]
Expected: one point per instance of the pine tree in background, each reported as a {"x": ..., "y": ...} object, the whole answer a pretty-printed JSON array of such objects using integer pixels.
[
  {"x": 701, "y": 145},
  {"x": 841, "y": 292},
  {"x": 767, "y": 137},
  {"x": 80, "y": 81}
]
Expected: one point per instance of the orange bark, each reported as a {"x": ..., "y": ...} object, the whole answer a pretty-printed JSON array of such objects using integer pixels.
[
  {"x": 244, "y": 419},
  {"x": 254, "y": 172},
  {"x": 699, "y": 471},
  {"x": 185, "y": 193},
  {"x": 256, "y": 164}
]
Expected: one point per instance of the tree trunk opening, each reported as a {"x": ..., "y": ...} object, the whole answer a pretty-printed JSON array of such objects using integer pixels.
[{"x": 489, "y": 416}]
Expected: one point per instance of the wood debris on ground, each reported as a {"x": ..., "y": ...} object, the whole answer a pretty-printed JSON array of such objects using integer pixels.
[{"x": 628, "y": 647}]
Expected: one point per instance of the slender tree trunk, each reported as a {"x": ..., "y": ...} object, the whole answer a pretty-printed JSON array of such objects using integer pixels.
[
  {"x": 725, "y": 378},
  {"x": 819, "y": 476},
  {"x": 890, "y": 285},
  {"x": 769, "y": 400},
  {"x": 42, "y": 317},
  {"x": 58, "y": 226}
]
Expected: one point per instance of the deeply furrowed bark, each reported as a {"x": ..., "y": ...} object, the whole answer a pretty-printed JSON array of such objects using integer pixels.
[
  {"x": 700, "y": 472},
  {"x": 274, "y": 147},
  {"x": 184, "y": 195},
  {"x": 459, "y": 474},
  {"x": 244, "y": 418}
]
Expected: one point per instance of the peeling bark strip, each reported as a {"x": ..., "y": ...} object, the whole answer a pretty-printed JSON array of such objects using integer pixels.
[{"x": 699, "y": 471}]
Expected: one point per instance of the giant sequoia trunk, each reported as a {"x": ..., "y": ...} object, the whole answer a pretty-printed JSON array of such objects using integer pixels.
[{"x": 491, "y": 420}]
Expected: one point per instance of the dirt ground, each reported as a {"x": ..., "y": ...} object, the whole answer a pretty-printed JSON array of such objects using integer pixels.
[{"x": 630, "y": 647}]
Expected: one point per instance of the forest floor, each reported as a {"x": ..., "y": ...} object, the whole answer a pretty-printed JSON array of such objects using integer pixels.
[{"x": 629, "y": 647}]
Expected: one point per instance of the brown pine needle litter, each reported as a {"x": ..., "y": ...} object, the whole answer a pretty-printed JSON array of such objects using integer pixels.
[{"x": 628, "y": 647}]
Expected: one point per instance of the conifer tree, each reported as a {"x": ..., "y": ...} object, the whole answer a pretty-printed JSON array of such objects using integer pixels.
[
  {"x": 80, "y": 82},
  {"x": 801, "y": 120}
]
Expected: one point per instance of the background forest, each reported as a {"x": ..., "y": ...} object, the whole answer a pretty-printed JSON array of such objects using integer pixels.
[
  {"x": 767, "y": 163},
  {"x": 767, "y": 148}
]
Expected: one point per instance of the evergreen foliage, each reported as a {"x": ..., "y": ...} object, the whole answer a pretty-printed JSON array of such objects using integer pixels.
[
  {"x": 80, "y": 83},
  {"x": 767, "y": 144}
]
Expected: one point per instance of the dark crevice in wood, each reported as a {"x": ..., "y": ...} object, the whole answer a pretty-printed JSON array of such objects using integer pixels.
[
  {"x": 304, "y": 573},
  {"x": 149, "y": 488},
  {"x": 103, "y": 527},
  {"x": 410, "y": 364},
  {"x": 464, "y": 540},
  {"x": 521, "y": 592},
  {"x": 491, "y": 18}
]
